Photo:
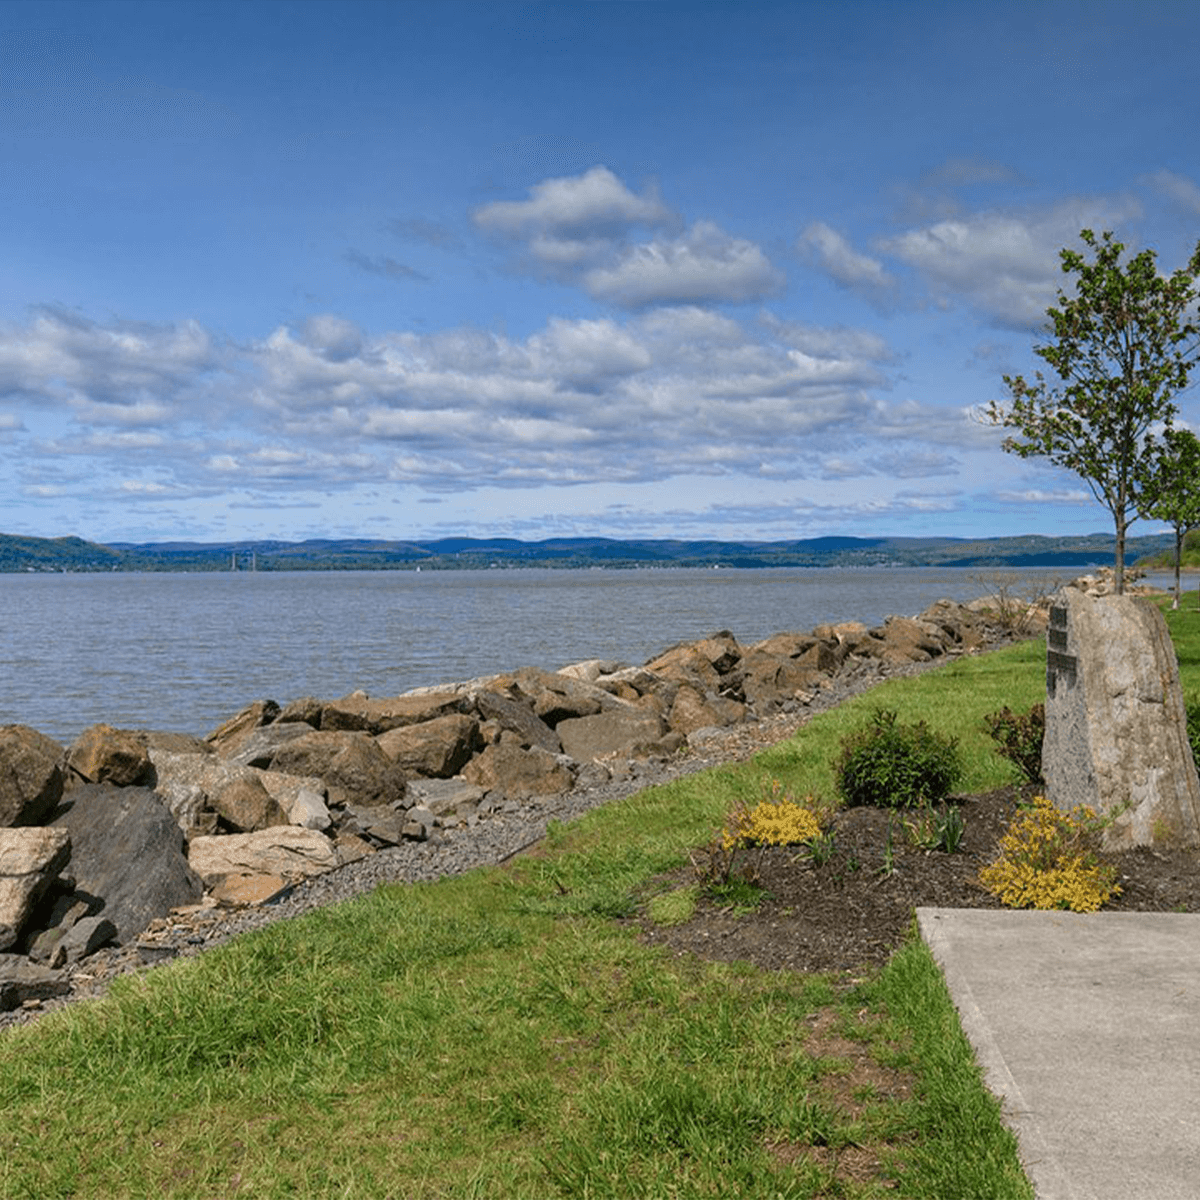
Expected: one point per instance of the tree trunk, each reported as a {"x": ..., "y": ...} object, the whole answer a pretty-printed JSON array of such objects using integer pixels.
[
  {"x": 1178, "y": 558},
  {"x": 1119, "y": 563}
]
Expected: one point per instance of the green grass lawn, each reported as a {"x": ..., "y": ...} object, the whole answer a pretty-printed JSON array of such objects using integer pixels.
[{"x": 503, "y": 1035}]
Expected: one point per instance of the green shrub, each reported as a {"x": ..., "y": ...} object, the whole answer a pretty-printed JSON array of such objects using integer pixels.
[
  {"x": 892, "y": 765},
  {"x": 1191, "y": 706},
  {"x": 1018, "y": 737}
]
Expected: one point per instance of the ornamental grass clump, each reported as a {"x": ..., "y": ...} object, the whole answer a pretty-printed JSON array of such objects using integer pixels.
[
  {"x": 893, "y": 765},
  {"x": 1048, "y": 859}
]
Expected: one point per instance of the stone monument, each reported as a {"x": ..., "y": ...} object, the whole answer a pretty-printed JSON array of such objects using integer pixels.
[{"x": 1116, "y": 730}]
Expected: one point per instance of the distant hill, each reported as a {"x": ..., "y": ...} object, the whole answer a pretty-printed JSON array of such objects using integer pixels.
[{"x": 459, "y": 553}]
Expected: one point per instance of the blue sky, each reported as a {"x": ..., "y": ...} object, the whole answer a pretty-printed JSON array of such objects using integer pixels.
[{"x": 733, "y": 270}]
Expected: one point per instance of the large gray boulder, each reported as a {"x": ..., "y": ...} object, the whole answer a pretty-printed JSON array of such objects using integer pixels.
[
  {"x": 31, "y": 775},
  {"x": 615, "y": 730},
  {"x": 1116, "y": 729},
  {"x": 127, "y": 854},
  {"x": 23, "y": 982},
  {"x": 30, "y": 860},
  {"x": 517, "y": 718}
]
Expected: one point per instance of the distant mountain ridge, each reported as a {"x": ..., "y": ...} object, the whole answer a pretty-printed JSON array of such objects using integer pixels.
[{"x": 18, "y": 553}]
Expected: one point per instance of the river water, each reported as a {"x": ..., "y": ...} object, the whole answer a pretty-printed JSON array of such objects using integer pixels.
[{"x": 185, "y": 651}]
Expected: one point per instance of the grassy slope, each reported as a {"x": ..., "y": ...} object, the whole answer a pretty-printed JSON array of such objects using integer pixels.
[{"x": 501, "y": 1035}]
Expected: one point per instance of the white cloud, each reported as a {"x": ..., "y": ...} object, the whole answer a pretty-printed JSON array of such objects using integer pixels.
[
  {"x": 838, "y": 259},
  {"x": 595, "y": 203},
  {"x": 131, "y": 368},
  {"x": 822, "y": 342},
  {"x": 1006, "y": 264},
  {"x": 581, "y": 230},
  {"x": 703, "y": 266},
  {"x": 664, "y": 393},
  {"x": 1071, "y": 496},
  {"x": 1179, "y": 188},
  {"x": 327, "y": 408}
]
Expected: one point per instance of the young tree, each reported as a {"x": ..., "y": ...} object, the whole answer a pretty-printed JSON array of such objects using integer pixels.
[
  {"x": 1124, "y": 342},
  {"x": 1176, "y": 487}
]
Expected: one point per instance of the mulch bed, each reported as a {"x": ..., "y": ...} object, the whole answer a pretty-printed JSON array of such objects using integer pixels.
[{"x": 851, "y": 913}]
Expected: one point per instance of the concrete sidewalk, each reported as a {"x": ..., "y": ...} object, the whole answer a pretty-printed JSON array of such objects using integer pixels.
[{"x": 1087, "y": 1028}]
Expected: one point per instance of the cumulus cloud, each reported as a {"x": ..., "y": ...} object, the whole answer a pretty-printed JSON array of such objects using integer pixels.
[
  {"x": 594, "y": 204},
  {"x": 834, "y": 255},
  {"x": 1005, "y": 264},
  {"x": 670, "y": 390},
  {"x": 704, "y": 266},
  {"x": 824, "y": 342},
  {"x": 626, "y": 249},
  {"x": 665, "y": 393},
  {"x": 123, "y": 371}
]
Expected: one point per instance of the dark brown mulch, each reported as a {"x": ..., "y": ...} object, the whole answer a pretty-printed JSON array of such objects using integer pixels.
[{"x": 851, "y": 913}]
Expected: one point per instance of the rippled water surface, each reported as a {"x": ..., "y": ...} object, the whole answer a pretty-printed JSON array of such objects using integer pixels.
[{"x": 186, "y": 651}]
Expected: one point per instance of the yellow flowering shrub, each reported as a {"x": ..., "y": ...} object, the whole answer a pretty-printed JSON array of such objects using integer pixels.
[
  {"x": 1048, "y": 860},
  {"x": 771, "y": 823},
  {"x": 737, "y": 850}
]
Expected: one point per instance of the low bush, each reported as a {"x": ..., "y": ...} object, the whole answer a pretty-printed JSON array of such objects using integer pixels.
[
  {"x": 893, "y": 765},
  {"x": 1048, "y": 859},
  {"x": 737, "y": 850},
  {"x": 1019, "y": 736},
  {"x": 1191, "y": 706}
]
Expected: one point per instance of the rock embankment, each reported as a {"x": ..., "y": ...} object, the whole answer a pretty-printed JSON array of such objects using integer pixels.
[{"x": 131, "y": 846}]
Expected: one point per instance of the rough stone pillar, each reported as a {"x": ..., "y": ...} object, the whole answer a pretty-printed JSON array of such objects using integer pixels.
[{"x": 1116, "y": 730}]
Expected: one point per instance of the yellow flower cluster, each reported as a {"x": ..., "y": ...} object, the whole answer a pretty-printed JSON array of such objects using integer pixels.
[
  {"x": 771, "y": 823},
  {"x": 1047, "y": 861}
]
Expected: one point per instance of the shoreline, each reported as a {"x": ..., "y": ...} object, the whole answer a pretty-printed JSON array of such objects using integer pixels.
[{"x": 517, "y": 827}]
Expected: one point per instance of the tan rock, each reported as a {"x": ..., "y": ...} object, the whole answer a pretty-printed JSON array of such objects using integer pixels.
[
  {"x": 352, "y": 766},
  {"x": 284, "y": 850},
  {"x": 30, "y": 860},
  {"x": 102, "y": 754},
  {"x": 242, "y": 891},
  {"x": 609, "y": 732},
  {"x": 692, "y": 711},
  {"x": 687, "y": 664},
  {"x": 227, "y": 737},
  {"x": 434, "y": 749},
  {"x": 360, "y": 713},
  {"x": 518, "y": 771},
  {"x": 31, "y": 776},
  {"x": 245, "y": 805}
]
